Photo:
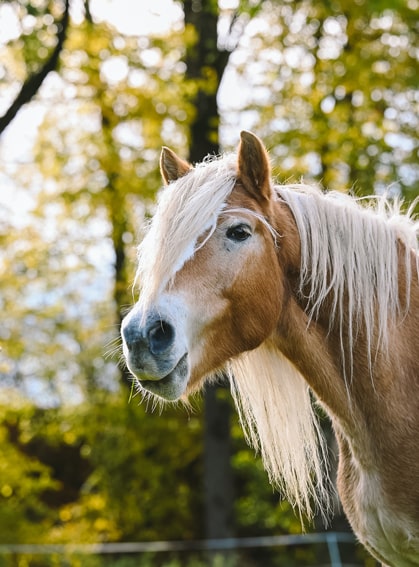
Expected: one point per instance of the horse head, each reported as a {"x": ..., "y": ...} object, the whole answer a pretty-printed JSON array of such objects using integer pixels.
[{"x": 217, "y": 284}]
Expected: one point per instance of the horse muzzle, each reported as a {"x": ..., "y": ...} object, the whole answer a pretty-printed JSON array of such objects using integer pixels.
[{"x": 156, "y": 352}]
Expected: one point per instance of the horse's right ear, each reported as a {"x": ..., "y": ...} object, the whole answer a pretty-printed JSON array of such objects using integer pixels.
[{"x": 172, "y": 166}]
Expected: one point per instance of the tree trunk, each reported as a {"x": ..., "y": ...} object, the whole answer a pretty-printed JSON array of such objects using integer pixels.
[{"x": 218, "y": 474}]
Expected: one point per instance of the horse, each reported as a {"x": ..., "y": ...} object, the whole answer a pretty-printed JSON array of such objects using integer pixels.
[{"x": 298, "y": 294}]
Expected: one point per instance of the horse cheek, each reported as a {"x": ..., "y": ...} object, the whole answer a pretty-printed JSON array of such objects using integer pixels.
[{"x": 256, "y": 306}]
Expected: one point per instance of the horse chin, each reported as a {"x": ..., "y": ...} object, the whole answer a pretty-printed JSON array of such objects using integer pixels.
[{"x": 172, "y": 386}]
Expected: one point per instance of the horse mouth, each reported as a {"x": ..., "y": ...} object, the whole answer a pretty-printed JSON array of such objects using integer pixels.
[{"x": 173, "y": 385}]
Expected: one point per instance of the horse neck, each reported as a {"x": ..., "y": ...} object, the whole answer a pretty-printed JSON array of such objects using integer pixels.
[
  {"x": 309, "y": 348},
  {"x": 375, "y": 414},
  {"x": 345, "y": 371},
  {"x": 309, "y": 351}
]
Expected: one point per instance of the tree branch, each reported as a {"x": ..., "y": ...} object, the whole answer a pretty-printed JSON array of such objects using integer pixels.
[
  {"x": 87, "y": 12},
  {"x": 32, "y": 84}
]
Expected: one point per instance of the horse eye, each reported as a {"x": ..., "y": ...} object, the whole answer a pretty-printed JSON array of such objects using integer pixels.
[{"x": 239, "y": 233}]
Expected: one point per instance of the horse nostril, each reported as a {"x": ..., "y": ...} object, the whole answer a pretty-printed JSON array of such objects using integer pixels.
[{"x": 160, "y": 336}]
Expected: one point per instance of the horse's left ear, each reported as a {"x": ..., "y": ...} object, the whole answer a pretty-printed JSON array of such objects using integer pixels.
[
  {"x": 172, "y": 166},
  {"x": 254, "y": 166}
]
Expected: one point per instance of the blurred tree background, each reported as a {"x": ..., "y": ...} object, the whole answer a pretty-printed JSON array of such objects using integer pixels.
[{"x": 87, "y": 99}]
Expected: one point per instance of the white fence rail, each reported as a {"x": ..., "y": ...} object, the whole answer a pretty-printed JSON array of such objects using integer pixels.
[{"x": 331, "y": 539}]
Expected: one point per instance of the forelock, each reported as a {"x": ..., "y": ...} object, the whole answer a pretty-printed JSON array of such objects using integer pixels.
[{"x": 186, "y": 209}]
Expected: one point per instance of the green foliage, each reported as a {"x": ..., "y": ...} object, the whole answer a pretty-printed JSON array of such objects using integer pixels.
[
  {"x": 335, "y": 91},
  {"x": 144, "y": 500},
  {"x": 90, "y": 474},
  {"x": 114, "y": 471},
  {"x": 24, "y": 516},
  {"x": 131, "y": 97},
  {"x": 145, "y": 560},
  {"x": 54, "y": 291},
  {"x": 37, "y": 36}
]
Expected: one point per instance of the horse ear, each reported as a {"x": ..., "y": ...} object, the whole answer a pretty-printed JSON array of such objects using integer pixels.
[
  {"x": 254, "y": 166},
  {"x": 171, "y": 166}
]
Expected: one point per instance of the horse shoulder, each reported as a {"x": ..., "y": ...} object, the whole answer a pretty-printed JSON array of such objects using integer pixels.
[{"x": 381, "y": 525}]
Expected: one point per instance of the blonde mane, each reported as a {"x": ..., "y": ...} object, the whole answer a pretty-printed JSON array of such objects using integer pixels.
[
  {"x": 186, "y": 209},
  {"x": 349, "y": 253},
  {"x": 278, "y": 419}
]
